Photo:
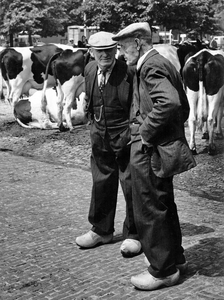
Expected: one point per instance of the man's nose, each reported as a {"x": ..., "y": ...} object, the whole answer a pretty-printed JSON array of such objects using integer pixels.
[{"x": 121, "y": 52}]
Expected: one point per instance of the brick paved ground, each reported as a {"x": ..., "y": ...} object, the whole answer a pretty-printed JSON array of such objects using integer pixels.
[{"x": 44, "y": 207}]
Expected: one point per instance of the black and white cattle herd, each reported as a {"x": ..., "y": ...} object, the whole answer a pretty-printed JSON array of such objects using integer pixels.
[{"x": 46, "y": 88}]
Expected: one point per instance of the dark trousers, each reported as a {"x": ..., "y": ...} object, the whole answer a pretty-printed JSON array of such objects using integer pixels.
[
  {"x": 109, "y": 165},
  {"x": 156, "y": 216}
]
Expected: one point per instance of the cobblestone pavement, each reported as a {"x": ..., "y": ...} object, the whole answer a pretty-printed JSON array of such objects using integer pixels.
[{"x": 44, "y": 208}]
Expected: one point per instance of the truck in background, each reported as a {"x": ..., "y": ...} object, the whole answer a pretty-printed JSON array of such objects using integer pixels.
[
  {"x": 218, "y": 42},
  {"x": 79, "y": 33},
  {"x": 161, "y": 36},
  {"x": 155, "y": 34}
]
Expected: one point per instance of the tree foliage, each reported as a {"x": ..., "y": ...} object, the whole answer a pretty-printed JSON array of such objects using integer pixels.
[
  {"x": 113, "y": 15},
  {"x": 51, "y": 17},
  {"x": 219, "y": 13},
  {"x": 190, "y": 16},
  {"x": 44, "y": 17}
]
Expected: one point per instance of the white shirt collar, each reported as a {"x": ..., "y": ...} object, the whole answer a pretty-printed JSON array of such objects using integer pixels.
[
  {"x": 107, "y": 74},
  {"x": 141, "y": 59}
]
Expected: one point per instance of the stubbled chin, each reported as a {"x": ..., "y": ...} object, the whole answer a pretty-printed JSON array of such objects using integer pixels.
[{"x": 129, "y": 63}]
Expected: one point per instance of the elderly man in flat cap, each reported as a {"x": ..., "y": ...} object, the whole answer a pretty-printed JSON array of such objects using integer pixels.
[
  {"x": 158, "y": 151},
  {"x": 109, "y": 91}
]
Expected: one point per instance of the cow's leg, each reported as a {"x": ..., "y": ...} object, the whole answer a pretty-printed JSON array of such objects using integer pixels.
[
  {"x": 2, "y": 97},
  {"x": 16, "y": 91},
  {"x": 213, "y": 108},
  {"x": 59, "y": 103},
  {"x": 192, "y": 99},
  {"x": 67, "y": 110},
  {"x": 14, "y": 96},
  {"x": 218, "y": 129},
  {"x": 205, "y": 135},
  {"x": 71, "y": 87},
  {"x": 8, "y": 91}
]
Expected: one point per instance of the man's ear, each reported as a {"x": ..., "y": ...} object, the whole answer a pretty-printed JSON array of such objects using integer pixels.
[
  {"x": 91, "y": 52},
  {"x": 138, "y": 43}
]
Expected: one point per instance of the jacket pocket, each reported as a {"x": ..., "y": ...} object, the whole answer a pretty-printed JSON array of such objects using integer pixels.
[{"x": 172, "y": 158}]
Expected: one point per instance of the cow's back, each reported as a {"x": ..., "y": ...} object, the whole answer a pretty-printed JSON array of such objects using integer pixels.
[{"x": 169, "y": 52}]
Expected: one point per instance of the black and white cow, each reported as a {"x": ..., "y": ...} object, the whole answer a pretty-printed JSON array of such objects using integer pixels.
[
  {"x": 67, "y": 69},
  {"x": 187, "y": 49},
  {"x": 23, "y": 68},
  {"x": 203, "y": 76},
  {"x": 28, "y": 112}
]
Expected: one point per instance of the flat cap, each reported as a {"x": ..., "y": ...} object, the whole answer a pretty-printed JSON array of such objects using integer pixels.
[
  {"x": 130, "y": 30},
  {"x": 102, "y": 40}
]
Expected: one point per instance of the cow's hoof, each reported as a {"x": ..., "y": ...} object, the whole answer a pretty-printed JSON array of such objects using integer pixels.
[
  {"x": 212, "y": 150},
  {"x": 218, "y": 136},
  {"x": 194, "y": 151},
  {"x": 205, "y": 136},
  {"x": 62, "y": 128}
]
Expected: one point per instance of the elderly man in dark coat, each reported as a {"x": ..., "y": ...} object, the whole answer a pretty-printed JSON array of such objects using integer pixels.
[
  {"x": 159, "y": 150},
  {"x": 109, "y": 91}
]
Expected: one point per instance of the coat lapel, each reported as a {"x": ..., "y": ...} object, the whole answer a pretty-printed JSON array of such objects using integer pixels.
[{"x": 92, "y": 76}]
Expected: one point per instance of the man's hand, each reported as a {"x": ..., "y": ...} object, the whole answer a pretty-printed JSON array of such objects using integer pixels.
[
  {"x": 145, "y": 143},
  {"x": 147, "y": 148}
]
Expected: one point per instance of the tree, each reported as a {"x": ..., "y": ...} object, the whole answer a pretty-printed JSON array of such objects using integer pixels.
[
  {"x": 205, "y": 21},
  {"x": 51, "y": 17},
  {"x": 192, "y": 16},
  {"x": 112, "y": 15},
  {"x": 132, "y": 11},
  {"x": 74, "y": 12},
  {"x": 218, "y": 7},
  {"x": 44, "y": 17},
  {"x": 99, "y": 13},
  {"x": 185, "y": 15},
  {"x": 21, "y": 16}
]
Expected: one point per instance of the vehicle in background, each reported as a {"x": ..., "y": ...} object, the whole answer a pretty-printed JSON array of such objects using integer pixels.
[
  {"x": 23, "y": 40},
  {"x": 155, "y": 34},
  {"x": 218, "y": 42},
  {"x": 80, "y": 34},
  {"x": 166, "y": 37}
]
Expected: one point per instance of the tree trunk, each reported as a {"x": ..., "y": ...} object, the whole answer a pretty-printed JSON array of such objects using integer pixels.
[
  {"x": 11, "y": 39},
  {"x": 30, "y": 38}
]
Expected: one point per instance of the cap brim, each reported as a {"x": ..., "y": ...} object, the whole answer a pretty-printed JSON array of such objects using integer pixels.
[
  {"x": 122, "y": 37},
  {"x": 103, "y": 47}
]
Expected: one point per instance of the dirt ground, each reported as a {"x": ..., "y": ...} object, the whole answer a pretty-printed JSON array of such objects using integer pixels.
[
  {"x": 73, "y": 149},
  {"x": 53, "y": 146}
]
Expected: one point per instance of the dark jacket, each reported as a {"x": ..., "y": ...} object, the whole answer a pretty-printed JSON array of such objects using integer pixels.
[
  {"x": 161, "y": 107},
  {"x": 120, "y": 75}
]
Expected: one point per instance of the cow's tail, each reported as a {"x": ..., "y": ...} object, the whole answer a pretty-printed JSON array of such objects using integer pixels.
[
  {"x": 202, "y": 107},
  {"x": 43, "y": 97}
]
